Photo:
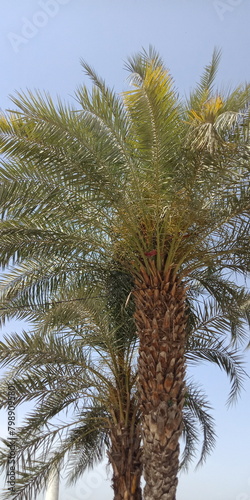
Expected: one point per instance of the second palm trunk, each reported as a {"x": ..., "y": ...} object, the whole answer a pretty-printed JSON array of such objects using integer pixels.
[
  {"x": 161, "y": 323},
  {"x": 125, "y": 458}
]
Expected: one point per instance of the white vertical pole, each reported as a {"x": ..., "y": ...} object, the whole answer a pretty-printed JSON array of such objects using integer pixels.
[{"x": 53, "y": 486}]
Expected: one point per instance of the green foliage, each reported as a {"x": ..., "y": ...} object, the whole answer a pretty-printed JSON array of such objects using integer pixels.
[
  {"x": 97, "y": 187},
  {"x": 91, "y": 193}
]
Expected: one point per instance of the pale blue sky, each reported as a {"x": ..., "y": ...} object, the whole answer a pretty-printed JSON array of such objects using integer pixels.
[{"x": 42, "y": 42}]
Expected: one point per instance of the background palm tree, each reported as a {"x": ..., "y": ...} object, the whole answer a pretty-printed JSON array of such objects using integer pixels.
[
  {"x": 143, "y": 184},
  {"x": 79, "y": 359},
  {"x": 81, "y": 375}
]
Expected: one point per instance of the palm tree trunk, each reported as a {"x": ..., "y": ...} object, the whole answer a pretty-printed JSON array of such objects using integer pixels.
[
  {"x": 161, "y": 320},
  {"x": 125, "y": 458}
]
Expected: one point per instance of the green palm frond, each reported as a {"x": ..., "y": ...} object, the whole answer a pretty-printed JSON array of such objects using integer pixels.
[
  {"x": 204, "y": 89},
  {"x": 88, "y": 443},
  {"x": 225, "y": 358},
  {"x": 225, "y": 309},
  {"x": 196, "y": 413}
]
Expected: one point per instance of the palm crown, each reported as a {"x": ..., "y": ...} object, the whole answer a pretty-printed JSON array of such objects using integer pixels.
[{"x": 122, "y": 179}]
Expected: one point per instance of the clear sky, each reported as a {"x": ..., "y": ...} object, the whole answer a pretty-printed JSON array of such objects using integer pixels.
[{"x": 42, "y": 42}]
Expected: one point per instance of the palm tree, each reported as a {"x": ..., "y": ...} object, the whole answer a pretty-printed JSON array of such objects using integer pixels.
[
  {"x": 80, "y": 375},
  {"x": 79, "y": 359},
  {"x": 139, "y": 183}
]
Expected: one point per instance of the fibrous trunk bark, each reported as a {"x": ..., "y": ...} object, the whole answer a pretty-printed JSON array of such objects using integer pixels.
[
  {"x": 161, "y": 322},
  {"x": 125, "y": 458}
]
